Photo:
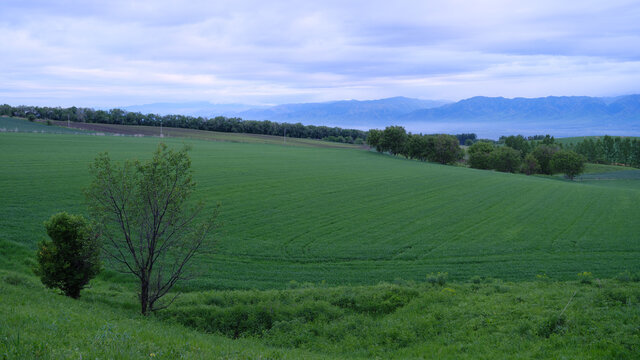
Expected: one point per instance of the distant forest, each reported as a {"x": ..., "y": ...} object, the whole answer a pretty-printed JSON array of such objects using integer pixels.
[{"x": 218, "y": 123}]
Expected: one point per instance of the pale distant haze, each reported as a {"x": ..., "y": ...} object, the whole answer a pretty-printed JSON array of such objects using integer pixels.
[{"x": 118, "y": 53}]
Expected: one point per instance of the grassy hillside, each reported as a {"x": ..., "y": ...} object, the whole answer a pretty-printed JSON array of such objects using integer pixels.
[
  {"x": 588, "y": 319},
  {"x": 36, "y": 323},
  {"x": 347, "y": 217},
  {"x": 318, "y": 230}
]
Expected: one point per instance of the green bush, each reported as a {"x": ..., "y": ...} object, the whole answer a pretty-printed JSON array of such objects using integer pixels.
[
  {"x": 551, "y": 325},
  {"x": 71, "y": 258},
  {"x": 384, "y": 299},
  {"x": 437, "y": 279},
  {"x": 530, "y": 165},
  {"x": 505, "y": 159},
  {"x": 567, "y": 162},
  {"x": 628, "y": 276},
  {"x": 479, "y": 155}
]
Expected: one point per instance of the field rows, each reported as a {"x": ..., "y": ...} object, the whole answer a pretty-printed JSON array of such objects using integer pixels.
[{"x": 345, "y": 216}]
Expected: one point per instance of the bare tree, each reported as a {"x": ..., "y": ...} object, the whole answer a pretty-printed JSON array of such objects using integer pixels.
[{"x": 149, "y": 228}]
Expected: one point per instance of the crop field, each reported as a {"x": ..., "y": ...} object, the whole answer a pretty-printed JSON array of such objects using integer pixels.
[
  {"x": 347, "y": 217},
  {"x": 9, "y": 124},
  {"x": 337, "y": 253},
  {"x": 135, "y": 130}
]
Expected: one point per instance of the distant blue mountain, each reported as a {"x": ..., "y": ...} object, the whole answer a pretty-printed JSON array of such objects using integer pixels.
[
  {"x": 346, "y": 113},
  {"x": 559, "y": 116},
  {"x": 486, "y": 116}
]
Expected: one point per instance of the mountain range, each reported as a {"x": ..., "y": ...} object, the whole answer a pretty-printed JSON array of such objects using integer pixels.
[{"x": 486, "y": 116}]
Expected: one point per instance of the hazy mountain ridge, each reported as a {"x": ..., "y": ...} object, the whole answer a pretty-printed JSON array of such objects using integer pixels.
[
  {"x": 547, "y": 108},
  {"x": 486, "y": 116},
  {"x": 346, "y": 111}
]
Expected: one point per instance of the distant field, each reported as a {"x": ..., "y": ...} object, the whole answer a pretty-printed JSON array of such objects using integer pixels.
[
  {"x": 577, "y": 139},
  {"x": 602, "y": 168},
  {"x": 9, "y": 124},
  {"x": 345, "y": 217},
  {"x": 134, "y": 130}
]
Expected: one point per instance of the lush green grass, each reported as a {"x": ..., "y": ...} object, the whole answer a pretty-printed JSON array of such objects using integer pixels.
[
  {"x": 587, "y": 319},
  {"x": 36, "y": 323},
  {"x": 319, "y": 219},
  {"x": 484, "y": 319},
  {"x": 346, "y": 217},
  {"x": 136, "y": 130}
]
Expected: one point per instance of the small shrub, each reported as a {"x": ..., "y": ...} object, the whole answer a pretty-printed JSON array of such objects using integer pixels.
[
  {"x": 376, "y": 301},
  {"x": 17, "y": 280},
  {"x": 437, "y": 279},
  {"x": 616, "y": 297},
  {"x": 542, "y": 277},
  {"x": 71, "y": 258},
  {"x": 553, "y": 324},
  {"x": 585, "y": 277},
  {"x": 627, "y": 276}
]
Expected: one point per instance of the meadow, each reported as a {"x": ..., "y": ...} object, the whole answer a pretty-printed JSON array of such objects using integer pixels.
[{"x": 326, "y": 241}]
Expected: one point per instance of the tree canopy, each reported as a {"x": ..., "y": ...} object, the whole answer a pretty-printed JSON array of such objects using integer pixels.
[
  {"x": 150, "y": 228},
  {"x": 71, "y": 258}
]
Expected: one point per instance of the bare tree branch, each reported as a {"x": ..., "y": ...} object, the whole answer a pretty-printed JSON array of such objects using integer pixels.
[{"x": 143, "y": 212}]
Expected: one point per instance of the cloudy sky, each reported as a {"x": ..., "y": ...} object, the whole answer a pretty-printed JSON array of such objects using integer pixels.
[{"x": 118, "y": 53}]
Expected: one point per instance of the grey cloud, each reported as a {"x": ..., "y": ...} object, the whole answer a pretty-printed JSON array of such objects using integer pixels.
[{"x": 249, "y": 51}]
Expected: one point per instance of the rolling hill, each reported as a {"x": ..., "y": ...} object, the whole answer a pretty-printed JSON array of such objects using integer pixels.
[
  {"x": 336, "y": 253},
  {"x": 347, "y": 216}
]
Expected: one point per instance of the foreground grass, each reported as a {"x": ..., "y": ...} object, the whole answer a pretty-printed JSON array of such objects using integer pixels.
[
  {"x": 484, "y": 318},
  {"x": 36, "y": 323}
]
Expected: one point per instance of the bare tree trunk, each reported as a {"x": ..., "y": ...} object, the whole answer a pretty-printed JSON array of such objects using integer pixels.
[{"x": 144, "y": 295}]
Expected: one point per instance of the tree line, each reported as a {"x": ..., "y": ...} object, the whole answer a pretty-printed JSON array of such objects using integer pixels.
[
  {"x": 218, "y": 123},
  {"x": 533, "y": 155},
  {"x": 518, "y": 154},
  {"x": 610, "y": 150},
  {"x": 440, "y": 148}
]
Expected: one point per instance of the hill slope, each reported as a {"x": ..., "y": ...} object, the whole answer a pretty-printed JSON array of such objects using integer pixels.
[{"x": 344, "y": 216}]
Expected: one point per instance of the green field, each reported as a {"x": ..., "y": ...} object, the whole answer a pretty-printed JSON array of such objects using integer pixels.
[
  {"x": 9, "y": 124},
  {"x": 347, "y": 217},
  {"x": 333, "y": 223}
]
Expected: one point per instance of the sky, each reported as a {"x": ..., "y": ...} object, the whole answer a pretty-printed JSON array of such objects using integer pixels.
[{"x": 119, "y": 53}]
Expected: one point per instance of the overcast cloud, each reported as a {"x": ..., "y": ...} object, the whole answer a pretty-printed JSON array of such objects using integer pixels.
[{"x": 117, "y": 53}]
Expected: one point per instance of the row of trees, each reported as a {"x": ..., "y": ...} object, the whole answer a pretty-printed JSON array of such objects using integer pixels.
[
  {"x": 511, "y": 154},
  {"x": 610, "y": 150},
  {"x": 439, "y": 148},
  {"x": 218, "y": 123},
  {"x": 543, "y": 159}
]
